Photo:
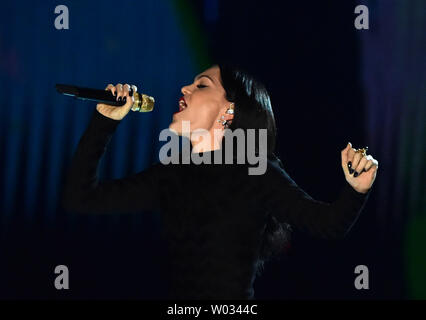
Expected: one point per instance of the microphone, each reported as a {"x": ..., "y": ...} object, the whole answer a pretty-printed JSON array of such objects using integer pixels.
[{"x": 142, "y": 102}]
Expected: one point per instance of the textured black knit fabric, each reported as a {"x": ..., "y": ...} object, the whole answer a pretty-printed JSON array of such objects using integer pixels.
[{"x": 214, "y": 215}]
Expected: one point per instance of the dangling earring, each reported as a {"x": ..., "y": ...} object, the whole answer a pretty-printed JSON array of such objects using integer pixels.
[
  {"x": 222, "y": 120},
  {"x": 230, "y": 109}
]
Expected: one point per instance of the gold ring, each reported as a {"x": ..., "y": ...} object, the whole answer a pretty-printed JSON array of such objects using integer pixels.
[{"x": 363, "y": 151}]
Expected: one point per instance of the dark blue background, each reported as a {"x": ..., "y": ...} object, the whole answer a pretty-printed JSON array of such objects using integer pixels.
[{"x": 329, "y": 84}]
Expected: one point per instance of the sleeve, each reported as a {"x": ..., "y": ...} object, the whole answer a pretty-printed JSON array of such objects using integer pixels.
[
  {"x": 290, "y": 204},
  {"x": 84, "y": 193}
]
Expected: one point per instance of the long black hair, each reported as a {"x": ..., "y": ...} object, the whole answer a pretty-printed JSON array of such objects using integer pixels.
[{"x": 253, "y": 110}]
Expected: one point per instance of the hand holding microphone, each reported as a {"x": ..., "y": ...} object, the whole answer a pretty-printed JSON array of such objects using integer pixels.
[
  {"x": 121, "y": 93},
  {"x": 114, "y": 102}
]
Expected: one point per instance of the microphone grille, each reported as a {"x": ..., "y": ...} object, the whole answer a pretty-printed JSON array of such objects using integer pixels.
[{"x": 143, "y": 103}]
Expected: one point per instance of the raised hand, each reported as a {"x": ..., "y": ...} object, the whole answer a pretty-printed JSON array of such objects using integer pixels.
[{"x": 360, "y": 171}]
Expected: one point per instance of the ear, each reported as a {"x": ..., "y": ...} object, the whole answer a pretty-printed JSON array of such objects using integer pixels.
[{"x": 229, "y": 112}]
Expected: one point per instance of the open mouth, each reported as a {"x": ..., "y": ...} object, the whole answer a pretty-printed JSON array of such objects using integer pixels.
[{"x": 182, "y": 104}]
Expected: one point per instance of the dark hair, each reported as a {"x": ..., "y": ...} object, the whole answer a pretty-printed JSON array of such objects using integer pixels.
[{"x": 253, "y": 110}]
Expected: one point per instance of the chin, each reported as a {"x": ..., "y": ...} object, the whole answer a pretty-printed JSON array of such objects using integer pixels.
[{"x": 173, "y": 127}]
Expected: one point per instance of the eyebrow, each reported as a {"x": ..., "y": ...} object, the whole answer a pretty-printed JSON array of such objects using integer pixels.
[{"x": 203, "y": 75}]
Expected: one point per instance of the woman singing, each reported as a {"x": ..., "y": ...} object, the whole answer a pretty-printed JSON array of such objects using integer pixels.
[{"x": 221, "y": 223}]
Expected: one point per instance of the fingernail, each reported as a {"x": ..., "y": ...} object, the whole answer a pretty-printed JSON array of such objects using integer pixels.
[
  {"x": 356, "y": 174},
  {"x": 119, "y": 98},
  {"x": 351, "y": 170},
  {"x": 349, "y": 164}
]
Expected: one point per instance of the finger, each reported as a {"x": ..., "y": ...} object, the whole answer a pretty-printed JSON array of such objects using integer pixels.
[
  {"x": 126, "y": 89},
  {"x": 126, "y": 93},
  {"x": 369, "y": 163},
  {"x": 111, "y": 88},
  {"x": 355, "y": 160},
  {"x": 351, "y": 154},
  {"x": 375, "y": 163},
  {"x": 129, "y": 101},
  {"x": 373, "y": 168},
  {"x": 360, "y": 166},
  {"x": 344, "y": 155},
  {"x": 119, "y": 88}
]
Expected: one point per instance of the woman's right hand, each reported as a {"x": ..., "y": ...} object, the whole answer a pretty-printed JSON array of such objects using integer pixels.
[{"x": 119, "y": 91}]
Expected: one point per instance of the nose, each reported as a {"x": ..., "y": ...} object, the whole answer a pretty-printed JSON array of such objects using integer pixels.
[{"x": 185, "y": 90}]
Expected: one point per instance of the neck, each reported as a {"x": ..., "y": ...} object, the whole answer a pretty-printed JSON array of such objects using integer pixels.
[{"x": 206, "y": 140}]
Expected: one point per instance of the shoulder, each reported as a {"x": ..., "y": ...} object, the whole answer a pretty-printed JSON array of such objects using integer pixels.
[
  {"x": 275, "y": 168},
  {"x": 276, "y": 173}
]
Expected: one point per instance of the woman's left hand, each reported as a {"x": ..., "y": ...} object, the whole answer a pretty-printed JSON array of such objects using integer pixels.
[{"x": 360, "y": 171}]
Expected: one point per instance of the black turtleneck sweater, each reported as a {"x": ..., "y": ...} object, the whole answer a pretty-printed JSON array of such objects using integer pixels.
[{"x": 214, "y": 215}]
